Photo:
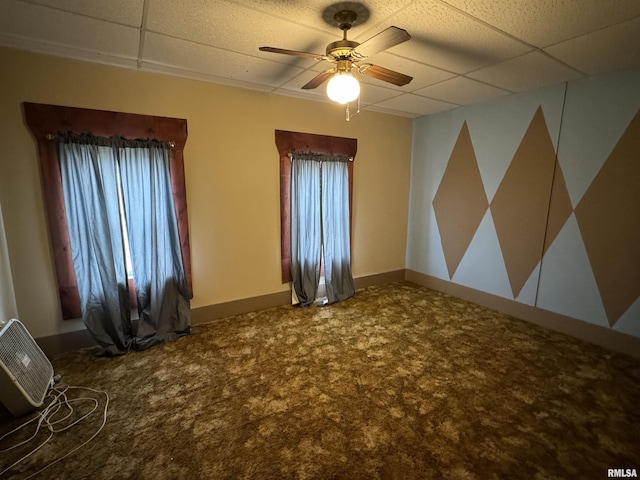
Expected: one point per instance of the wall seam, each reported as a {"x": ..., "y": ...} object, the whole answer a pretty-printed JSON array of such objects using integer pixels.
[{"x": 553, "y": 181}]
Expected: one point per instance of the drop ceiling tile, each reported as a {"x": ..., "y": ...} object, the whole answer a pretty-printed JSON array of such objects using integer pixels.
[
  {"x": 447, "y": 39},
  {"x": 608, "y": 49},
  {"x": 202, "y": 59},
  {"x": 125, "y": 12},
  {"x": 415, "y": 104},
  {"x": 545, "y": 22},
  {"x": 422, "y": 74},
  {"x": 527, "y": 72},
  {"x": 67, "y": 52},
  {"x": 310, "y": 13},
  {"x": 223, "y": 25},
  {"x": 375, "y": 94},
  {"x": 50, "y": 30},
  {"x": 462, "y": 91}
]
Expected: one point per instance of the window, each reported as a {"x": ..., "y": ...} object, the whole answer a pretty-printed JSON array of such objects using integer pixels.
[
  {"x": 322, "y": 213},
  {"x": 287, "y": 143},
  {"x": 44, "y": 122}
]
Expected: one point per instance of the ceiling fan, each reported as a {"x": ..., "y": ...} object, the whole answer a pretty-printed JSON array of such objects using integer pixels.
[{"x": 347, "y": 55}]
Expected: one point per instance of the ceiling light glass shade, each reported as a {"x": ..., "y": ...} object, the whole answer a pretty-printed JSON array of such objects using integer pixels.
[{"x": 343, "y": 88}]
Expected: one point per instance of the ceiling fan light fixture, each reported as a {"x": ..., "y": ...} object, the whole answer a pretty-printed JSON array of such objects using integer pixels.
[{"x": 343, "y": 87}]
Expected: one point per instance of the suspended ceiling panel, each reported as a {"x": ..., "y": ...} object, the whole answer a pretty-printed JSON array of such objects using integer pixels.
[
  {"x": 527, "y": 72},
  {"x": 462, "y": 90},
  {"x": 546, "y": 22},
  {"x": 461, "y": 51},
  {"x": 605, "y": 50}
]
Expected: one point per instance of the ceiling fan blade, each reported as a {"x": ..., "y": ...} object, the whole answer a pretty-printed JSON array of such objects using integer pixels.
[
  {"x": 295, "y": 53},
  {"x": 390, "y": 37},
  {"x": 384, "y": 74},
  {"x": 319, "y": 79}
]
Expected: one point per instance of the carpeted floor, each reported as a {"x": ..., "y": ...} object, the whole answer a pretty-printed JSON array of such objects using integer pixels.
[{"x": 399, "y": 382}]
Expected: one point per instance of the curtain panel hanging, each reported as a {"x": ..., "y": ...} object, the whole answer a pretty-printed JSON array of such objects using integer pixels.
[
  {"x": 90, "y": 183},
  {"x": 320, "y": 226},
  {"x": 43, "y": 121},
  {"x": 336, "y": 232},
  {"x": 306, "y": 228},
  {"x": 288, "y": 142},
  {"x": 160, "y": 284},
  {"x": 117, "y": 193}
]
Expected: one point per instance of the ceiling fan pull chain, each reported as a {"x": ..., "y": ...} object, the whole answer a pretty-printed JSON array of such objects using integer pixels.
[{"x": 348, "y": 112}]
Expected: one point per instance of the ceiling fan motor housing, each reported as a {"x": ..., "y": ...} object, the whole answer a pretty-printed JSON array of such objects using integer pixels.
[
  {"x": 344, "y": 66},
  {"x": 341, "y": 50}
]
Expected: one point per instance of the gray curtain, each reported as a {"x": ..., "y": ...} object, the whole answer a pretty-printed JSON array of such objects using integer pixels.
[
  {"x": 89, "y": 182},
  {"x": 94, "y": 171},
  {"x": 320, "y": 227},
  {"x": 306, "y": 237},
  {"x": 161, "y": 286},
  {"x": 336, "y": 237}
]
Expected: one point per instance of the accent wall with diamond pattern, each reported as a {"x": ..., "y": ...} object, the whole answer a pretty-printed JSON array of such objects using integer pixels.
[{"x": 535, "y": 198}]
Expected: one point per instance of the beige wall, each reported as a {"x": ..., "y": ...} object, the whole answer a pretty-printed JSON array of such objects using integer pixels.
[
  {"x": 231, "y": 173},
  {"x": 8, "y": 307}
]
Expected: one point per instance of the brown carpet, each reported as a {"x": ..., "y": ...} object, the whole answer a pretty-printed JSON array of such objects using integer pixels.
[{"x": 399, "y": 382}]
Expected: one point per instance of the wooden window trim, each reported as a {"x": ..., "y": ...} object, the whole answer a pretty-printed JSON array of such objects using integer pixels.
[
  {"x": 287, "y": 143},
  {"x": 45, "y": 120}
]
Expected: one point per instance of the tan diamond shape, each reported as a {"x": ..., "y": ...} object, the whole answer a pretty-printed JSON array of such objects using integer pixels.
[
  {"x": 609, "y": 219},
  {"x": 521, "y": 203},
  {"x": 560, "y": 208},
  {"x": 460, "y": 202}
]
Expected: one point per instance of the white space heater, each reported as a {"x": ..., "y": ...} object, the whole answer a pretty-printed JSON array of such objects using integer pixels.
[{"x": 25, "y": 371}]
